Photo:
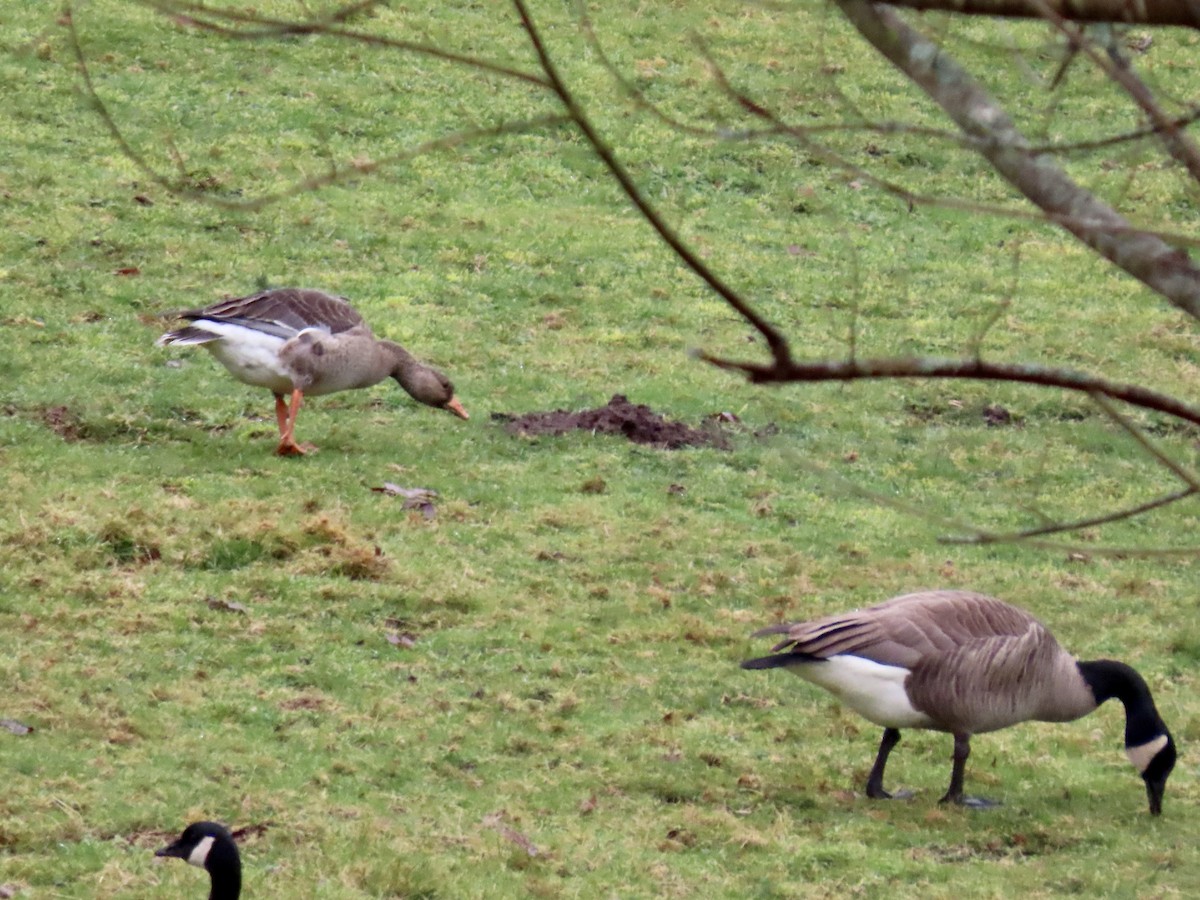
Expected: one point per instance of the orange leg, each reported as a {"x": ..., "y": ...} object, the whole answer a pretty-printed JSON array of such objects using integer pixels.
[
  {"x": 287, "y": 425},
  {"x": 281, "y": 414}
]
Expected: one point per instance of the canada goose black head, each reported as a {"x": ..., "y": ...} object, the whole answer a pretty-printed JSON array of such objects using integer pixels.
[
  {"x": 210, "y": 846},
  {"x": 1148, "y": 743}
]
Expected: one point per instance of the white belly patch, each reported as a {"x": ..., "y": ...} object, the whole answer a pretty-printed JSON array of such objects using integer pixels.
[
  {"x": 874, "y": 691},
  {"x": 251, "y": 357}
]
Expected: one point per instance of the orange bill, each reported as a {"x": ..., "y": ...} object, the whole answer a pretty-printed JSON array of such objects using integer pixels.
[{"x": 457, "y": 408}]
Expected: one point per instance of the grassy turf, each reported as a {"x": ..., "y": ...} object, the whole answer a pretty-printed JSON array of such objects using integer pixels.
[{"x": 195, "y": 628}]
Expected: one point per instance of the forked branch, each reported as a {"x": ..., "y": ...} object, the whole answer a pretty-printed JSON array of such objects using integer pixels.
[{"x": 1162, "y": 267}]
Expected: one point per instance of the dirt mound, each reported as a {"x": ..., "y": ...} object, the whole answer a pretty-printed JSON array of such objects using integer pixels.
[
  {"x": 636, "y": 422},
  {"x": 64, "y": 423}
]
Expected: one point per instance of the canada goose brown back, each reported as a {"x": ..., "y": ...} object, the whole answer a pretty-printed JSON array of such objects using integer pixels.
[{"x": 964, "y": 663}]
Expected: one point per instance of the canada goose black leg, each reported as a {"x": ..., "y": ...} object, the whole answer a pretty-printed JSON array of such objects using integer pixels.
[
  {"x": 875, "y": 790},
  {"x": 954, "y": 794}
]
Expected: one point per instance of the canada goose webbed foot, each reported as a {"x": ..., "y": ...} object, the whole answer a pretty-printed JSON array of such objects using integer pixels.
[
  {"x": 875, "y": 792},
  {"x": 971, "y": 802}
]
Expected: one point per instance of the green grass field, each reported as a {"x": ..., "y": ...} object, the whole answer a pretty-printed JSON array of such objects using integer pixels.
[{"x": 536, "y": 692}]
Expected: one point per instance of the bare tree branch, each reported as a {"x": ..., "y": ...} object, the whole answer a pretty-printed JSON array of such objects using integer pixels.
[
  {"x": 181, "y": 184},
  {"x": 775, "y": 340},
  {"x": 1143, "y": 440},
  {"x": 971, "y": 368},
  {"x": 1013, "y": 537},
  {"x": 1165, "y": 269},
  {"x": 1149, "y": 12},
  {"x": 804, "y": 136},
  {"x": 1029, "y": 537},
  {"x": 1177, "y": 143},
  {"x": 206, "y": 17}
]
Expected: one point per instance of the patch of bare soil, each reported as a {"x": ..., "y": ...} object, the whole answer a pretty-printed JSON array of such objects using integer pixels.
[
  {"x": 633, "y": 421},
  {"x": 64, "y": 423}
]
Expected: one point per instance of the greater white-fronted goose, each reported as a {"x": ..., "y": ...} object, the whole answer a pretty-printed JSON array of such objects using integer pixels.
[
  {"x": 297, "y": 342},
  {"x": 210, "y": 846},
  {"x": 964, "y": 663}
]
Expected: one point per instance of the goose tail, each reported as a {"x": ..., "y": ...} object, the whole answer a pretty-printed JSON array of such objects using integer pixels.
[
  {"x": 187, "y": 336},
  {"x": 780, "y": 660}
]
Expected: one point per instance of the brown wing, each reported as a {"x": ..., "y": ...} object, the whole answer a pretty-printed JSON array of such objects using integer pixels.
[
  {"x": 284, "y": 312},
  {"x": 997, "y": 681},
  {"x": 906, "y": 629}
]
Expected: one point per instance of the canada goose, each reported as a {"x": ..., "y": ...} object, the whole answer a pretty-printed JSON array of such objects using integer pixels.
[
  {"x": 964, "y": 663},
  {"x": 294, "y": 341},
  {"x": 209, "y": 846}
]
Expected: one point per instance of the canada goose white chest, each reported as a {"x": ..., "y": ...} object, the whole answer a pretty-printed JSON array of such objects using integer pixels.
[
  {"x": 873, "y": 690},
  {"x": 966, "y": 664}
]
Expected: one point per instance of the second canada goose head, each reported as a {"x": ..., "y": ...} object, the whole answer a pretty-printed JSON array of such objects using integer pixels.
[{"x": 211, "y": 847}]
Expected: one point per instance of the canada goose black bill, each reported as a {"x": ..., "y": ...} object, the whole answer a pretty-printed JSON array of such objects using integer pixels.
[
  {"x": 211, "y": 847},
  {"x": 966, "y": 664}
]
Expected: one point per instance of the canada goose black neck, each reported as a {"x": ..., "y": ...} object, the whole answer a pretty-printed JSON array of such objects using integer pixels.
[
  {"x": 1109, "y": 680},
  {"x": 1148, "y": 743},
  {"x": 211, "y": 847}
]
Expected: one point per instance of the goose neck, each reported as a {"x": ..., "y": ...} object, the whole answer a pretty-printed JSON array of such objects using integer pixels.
[{"x": 1110, "y": 679}]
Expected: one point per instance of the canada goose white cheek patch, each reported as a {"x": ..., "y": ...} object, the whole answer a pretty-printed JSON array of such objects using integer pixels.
[
  {"x": 199, "y": 854},
  {"x": 874, "y": 691},
  {"x": 1142, "y": 755}
]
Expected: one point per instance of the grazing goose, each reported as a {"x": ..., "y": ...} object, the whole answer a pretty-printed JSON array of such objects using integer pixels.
[
  {"x": 211, "y": 847},
  {"x": 964, "y": 663},
  {"x": 298, "y": 342}
]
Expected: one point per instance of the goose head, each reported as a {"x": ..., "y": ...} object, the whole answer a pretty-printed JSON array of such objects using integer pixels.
[
  {"x": 1154, "y": 760},
  {"x": 427, "y": 385},
  {"x": 1148, "y": 743},
  {"x": 211, "y": 847}
]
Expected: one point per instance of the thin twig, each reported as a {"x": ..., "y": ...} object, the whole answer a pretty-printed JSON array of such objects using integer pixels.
[
  {"x": 1143, "y": 441},
  {"x": 190, "y": 12},
  {"x": 1028, "y": 537},
  {"x": 774, "y": 338},
  {"x": 1159, "y": 12},
  {"x": 1076, "y": 224},
  {"x": 336, "y": 173},
  {"x": 1176, "y": 142},
  {"x": 1012, "y": 537},
  {"x": 1162, "y": 267}
]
